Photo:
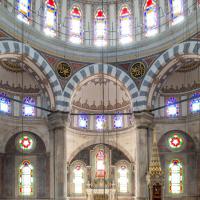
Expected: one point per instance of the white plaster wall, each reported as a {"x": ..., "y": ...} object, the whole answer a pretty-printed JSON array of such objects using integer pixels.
[{"x": 10, "y": 126}]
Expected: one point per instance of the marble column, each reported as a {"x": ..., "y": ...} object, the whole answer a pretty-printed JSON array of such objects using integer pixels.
[
  {"x": 88, "y": 25},
  {"x": 162, "y": 16},
  {"x": 57, "y": 123},
  {"x": 138, "y": 20},
  {"x": 143, "y": 122},
  {"x": 63, "y": 21},
  {"x": 11, "y": 5},
  {"x": 113, "y": 25},
  {"x": 37, "y": 16}
]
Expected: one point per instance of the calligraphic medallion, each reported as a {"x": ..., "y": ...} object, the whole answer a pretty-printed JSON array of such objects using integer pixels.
[
  {"x": 137, "y": 70},
  {"x": 64, "y": 69}
]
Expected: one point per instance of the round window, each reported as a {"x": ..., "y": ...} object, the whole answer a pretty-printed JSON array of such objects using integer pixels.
[{"x": 25, "y": 142}]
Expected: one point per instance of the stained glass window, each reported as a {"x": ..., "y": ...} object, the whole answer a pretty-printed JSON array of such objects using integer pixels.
[
  {"x": 123, "y": 179},
  {"x": 24, "y": 10},
  {"x": 175, "y": 141},
  {"x": 176, "y": 7},
  {"x": 76, "y": 25},
  {"x": 150, "y": 18},
  {"x": 25, "y": 142},
  {"x": 118, "y": 121},
  {"x": 78, "y": 179},
  {"x": 5, "y": 104},
  {"x": 50, "y": 15},
  {"x": 195, "y": 103},
  {"x": 83, "y": 121},
  {"x": 175, "y": 177},
  {"x": 100, "y": 122},
  {"x": 26, "y": 178},
  {"x": 100, "y": 164},
  {"x": 172, "y": 107},
  {"x": 125, "y": 25},
  {"x": 100, "y": 29},
  {"x": 28, "y": 110}
]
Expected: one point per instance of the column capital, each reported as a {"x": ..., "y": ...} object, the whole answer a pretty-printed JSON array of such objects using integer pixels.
[
  {"x": 143, "y": 120},
  {"x": 57, "y": 120}
]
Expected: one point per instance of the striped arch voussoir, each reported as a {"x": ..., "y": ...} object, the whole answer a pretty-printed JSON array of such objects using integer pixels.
[
  {"x": 17, "y": 48},
  {"x": 91, "y": 70},
  {"x": 165, "y": 61}
]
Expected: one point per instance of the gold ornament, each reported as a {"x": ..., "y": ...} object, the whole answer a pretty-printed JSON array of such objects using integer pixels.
[
  {"x": 137, "y": 70},
  {"x": 63, "y": 69}
]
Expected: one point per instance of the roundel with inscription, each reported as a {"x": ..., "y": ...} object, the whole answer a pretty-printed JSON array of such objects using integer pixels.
[
  {"x": 64, "y": 69},
  {"x": 137, "y": 70}
]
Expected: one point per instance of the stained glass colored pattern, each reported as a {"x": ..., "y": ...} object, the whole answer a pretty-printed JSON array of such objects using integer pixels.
[
  {"x": 50, "y": 15},
  {"x": 24, "y": 10},
  {"x": 175, "y": 141},
  {"x": 83, "y": 121},
  {"x": 150, "y": 18},
  {"x": 195, "y": 103},
  {"x": 125, "y": 25},
  {"x": 118, "y": 121},
  {"x": 76, "y": 25},
  {"x": 123, "y": 179},
  {"x": 5, "y": 104},
  {"x": 78, "y": 179},
  {"x": 100, "y": 29},
  {"x": 100, "y": 164},
  {"x": 100, "y": 122},
  {"x": 172, "y": 108},
  {"x": 28, "y": 108},
  {"x": 175, "y": 177},
  {"x": 176, "y": 7},
  {"x": 26, "y": 178},
  {"x": 25, "y": 142}
]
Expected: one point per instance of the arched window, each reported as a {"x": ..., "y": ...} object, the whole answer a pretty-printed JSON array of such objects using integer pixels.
[
  {"x": 118, "y": 121},
  {"x": 100, "y": 164},
  {"x": 76, "y": 25},
  {"x": 78, "y": 179},
  {"x": 150, "y": 18},
  {"x": 50, "y": 15},
  {"x": 175, "y": 177},
  {"x": 172, "y": 107},
  {"x": 176, "y": 8},
  {"x": 83, "y": 121},
  {"x": 100, "y": 122},
  {"x": 26, "y": 178},
  {"x": 5, "y": 104},
  {"x": 100, "y": 29},
  {"x": 125, "y": 25},
  {"x": 123, "y": 179},
  {"x": 28, "y": 108},
  {"x": 195, "y": 103},
  {"x": 24, "y": 10}
]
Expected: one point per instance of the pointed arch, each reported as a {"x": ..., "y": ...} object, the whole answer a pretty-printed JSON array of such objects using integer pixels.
[
  {"x": 150, "y": 18},
  {"x": 100, "y": 28},
  {"x": 176, "y": 177},
  {"x": 76, "y": 32},
  {"x": 162, "y": 67},
  {"x": 25, "y": 178},
  {"x": 125, "y": 28},
  {"x": 94, "y": 69},
  {"x": 50, "y": 18},
  {"x": 38, "y": 66}
]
